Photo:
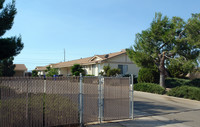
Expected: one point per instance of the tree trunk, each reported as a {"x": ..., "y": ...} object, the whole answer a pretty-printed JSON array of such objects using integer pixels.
[{"x": 162, "y": 70}]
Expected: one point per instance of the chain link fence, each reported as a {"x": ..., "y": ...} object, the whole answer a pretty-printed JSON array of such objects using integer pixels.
[{"x": 63, "y": 101}]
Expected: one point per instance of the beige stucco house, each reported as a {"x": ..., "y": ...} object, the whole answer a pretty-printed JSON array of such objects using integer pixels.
[
  {"x": 20, "y": 70},
  {"x": 94, "y": 65}
]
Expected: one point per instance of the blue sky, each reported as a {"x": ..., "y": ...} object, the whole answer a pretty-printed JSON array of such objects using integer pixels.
[{"x": 85, "y": 27}]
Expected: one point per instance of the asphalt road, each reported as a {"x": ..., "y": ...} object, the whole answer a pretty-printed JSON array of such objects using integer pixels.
[{"x": 167, "y": 110}]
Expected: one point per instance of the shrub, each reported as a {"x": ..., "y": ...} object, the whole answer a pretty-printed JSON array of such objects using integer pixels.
[
  {"x": 113, "y": 72},
  {"x": 76, "y": 69},
  {"x": 107, "y": 71},
  {"x": 174, "y": 82},
  {"x": 34, "y": 73},
  {"x": 194, "y": 82},
  {"x": 89, "y": 75},
  {"x": 149, "y": 87},
  {"x": 185, "y": 92},
  {"x": 148, "y": 75}
]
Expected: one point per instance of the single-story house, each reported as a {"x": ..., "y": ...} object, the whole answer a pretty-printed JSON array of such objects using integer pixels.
[
  {"x": 20, "y": 70},
  {"x": 94, "y": 65}
]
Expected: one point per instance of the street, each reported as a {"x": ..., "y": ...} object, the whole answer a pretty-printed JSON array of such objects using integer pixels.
[{"x": 170, "y": 110}]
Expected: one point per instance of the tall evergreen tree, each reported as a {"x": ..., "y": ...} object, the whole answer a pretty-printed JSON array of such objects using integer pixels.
[
  {"x": 7, "y": 67},
  {"x": 10, "y": 46},
  {"x": 166, "y": 39}
]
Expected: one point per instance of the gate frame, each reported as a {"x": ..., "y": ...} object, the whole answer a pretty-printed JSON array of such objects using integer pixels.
[{"x": 101, "y": 99}]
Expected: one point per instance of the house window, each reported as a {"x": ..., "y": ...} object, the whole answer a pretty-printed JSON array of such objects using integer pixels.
[{"x": 123, "y": 68}]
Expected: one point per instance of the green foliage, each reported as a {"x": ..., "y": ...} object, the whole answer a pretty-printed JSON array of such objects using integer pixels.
[
  {"x": 194, "y": 82},
  {"x": 106, "y": 69},
  {"x": 185, "y": 92},
  {"x": 174, "y": 82},
  {"x": 149, "y": 87},
  {"x": 7, "y": 67},
  {"x": 13, "y": 45},
  {"x": 51, "y": 71},
  {"x": 113, "y": 72},
  {"x": 34, "y": 73},
  {"x": 166, "y": 39},
  {"x": 89, "y": 75},
  {"x": 77, "y": 69},
  {"x": 193, "y": 27},
  {"x": 141, "y": 59},
  {"x": 148, "y": 75},
  {"x": 110, "y": 72},
  {"x": 180, "y": 67}
]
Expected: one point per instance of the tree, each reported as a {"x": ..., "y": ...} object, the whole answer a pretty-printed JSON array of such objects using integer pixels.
[
  {"x": 34, "y": 73},
  {"x": 180, "y": 68},
  {"x": 7, "y": 67},
  {"x": 77, "y": 69},
  {"x": 51, "y": 71},
  {"x": 10, "y": 46},
  {"x": 166, "y": 39}
]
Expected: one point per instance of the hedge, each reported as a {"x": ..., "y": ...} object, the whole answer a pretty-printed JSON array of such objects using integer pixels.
[
  {"x": 149, "y": 87},
  {"x": 174, "y": 82},
  {"x": 194, "y": 82},
  {"x": 189, "y": 92}
]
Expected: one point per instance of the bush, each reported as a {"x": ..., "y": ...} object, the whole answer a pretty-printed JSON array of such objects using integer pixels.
[
  {"x": 76, "y": 69},
  {"x": 113, "y": 72},
  {"x": 185, "y": 92},
  {"x": 174, "y": 82},
  {"x": 195, "y": 82},
  {"x": 107, "y": 71},
  {"x": 89, "y": 75},
  {"x": 149, "y": 87},
  {"x": 148, "y": 75}
]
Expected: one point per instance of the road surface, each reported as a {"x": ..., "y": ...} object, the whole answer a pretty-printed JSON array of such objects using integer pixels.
[{"x": 169, "y": 110}]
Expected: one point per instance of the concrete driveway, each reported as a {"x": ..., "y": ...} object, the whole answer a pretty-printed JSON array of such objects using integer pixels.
[{"x": 152, "y": 110}]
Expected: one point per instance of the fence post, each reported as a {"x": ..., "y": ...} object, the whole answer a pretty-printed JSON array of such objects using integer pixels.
[
  {"x": 131, "y": 95},
  {"x": 81, "y": 101},
  {"x": 101, "y": 98},
  {"x": 27, "y": 105},
  {"x": 44, "y": 99}
]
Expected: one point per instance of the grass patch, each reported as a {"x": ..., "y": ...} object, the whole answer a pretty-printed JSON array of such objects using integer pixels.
[{"x": 149, "y": 87}]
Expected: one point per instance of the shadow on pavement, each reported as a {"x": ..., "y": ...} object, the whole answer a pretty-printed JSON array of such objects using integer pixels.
[
  {"x": 141, "y": 123},
  {"x": 150, "y": 123},
  {"x": 150, "y": 108}
]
